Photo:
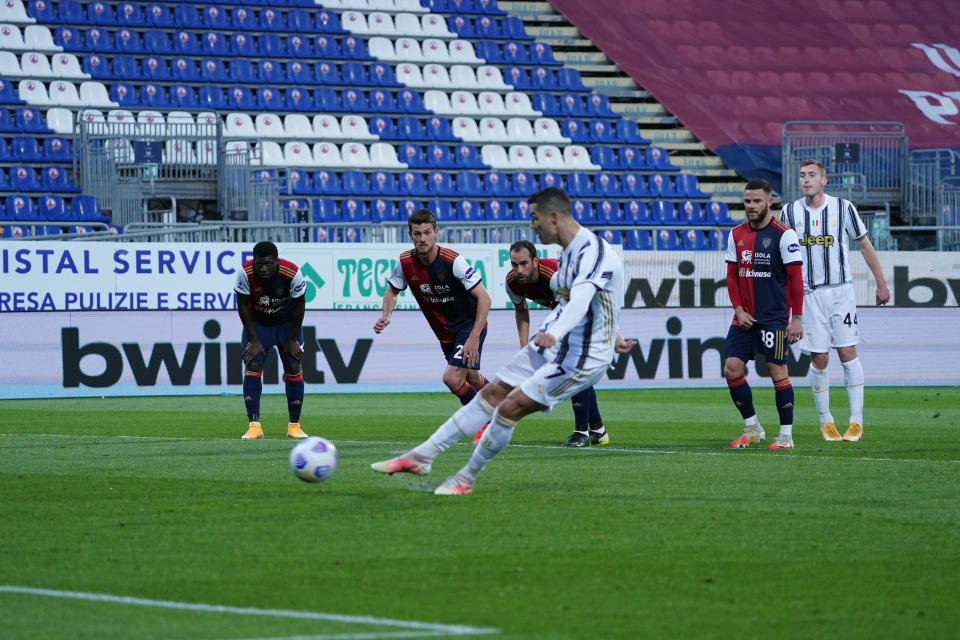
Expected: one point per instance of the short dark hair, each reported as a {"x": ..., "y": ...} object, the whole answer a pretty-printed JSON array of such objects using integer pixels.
[
  {"x": 265, "y": 250},
  {"x": 759, "y": 183},
  {"x": 421, "y": 216},
  {"x": 524, "y": 244},
  {"x": 551, "y": 199}
]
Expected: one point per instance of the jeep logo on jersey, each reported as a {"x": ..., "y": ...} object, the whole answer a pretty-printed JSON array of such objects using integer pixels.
[
  {"x": 808, "y": 240},
  {"x": 746, "y": 256}
]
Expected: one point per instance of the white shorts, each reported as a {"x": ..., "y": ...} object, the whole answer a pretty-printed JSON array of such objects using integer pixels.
[
  {"x": 829, "y": 319},
  {"x": 544, "y": 382}
]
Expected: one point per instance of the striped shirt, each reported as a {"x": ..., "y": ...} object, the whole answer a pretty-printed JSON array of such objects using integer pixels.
[
  {"x": 825, "y": 235},
  {"x": 543, "y": 291},
  {"x": 589, "y": 259},
  {"x": 271, "y": 302}
]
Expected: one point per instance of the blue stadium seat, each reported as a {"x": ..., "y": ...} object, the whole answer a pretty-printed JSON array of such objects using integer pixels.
[
  {"x": 469, "y": 185},
  {"x": 575, "y": 129},
  {"x": 571, "y": 105},
  {"x": 124, "y": 94},
  {"x": 383, "y": 183},
  {"x": 551, "y": 179},
  {"x": 692, "y": 213},
  {"x": 325, "y": 210},
  {"x": 126, "y": 68},
  {"x": 661, "y": 185},
  {"x": 299, "y": 99},
  {"x": 52, "y": 207},
  {"x": 382, "y": 75},
  {"x": 568, "y": 79},
  {"x": 544, "y": 79},
  {"x": 440, "y": 184},
  {"x": 546, "y": 103},
  {"x": 4, "y": 186},
  {"x": 327, "y": 48},
  {"x": 243, "y": 19},
  {"x": 718, "y": 213},
  {"x": 25, "y": 149},
  {"x": 158, "y": 16},
  {"x": 412, "y": 183},
  {"x": 412, "y": 155},
  {"x": 243, "y": 45},
  {"x": 327, "y": 183},
  {"x": 211, "y": 97},
  {"x": 515, "y": 53},
  {"x": 668, "y": 240},
  {"x": 5, "y": 154},
  {"x": 628, "y": 132},
  {"x": 184, "y": 70},
  {"x": 57, "y": 179},
  {"x": 300, "y": 47},
  {"x": 327, "y": 100},
  {"x": 609, "y": 212},
  {"x": 187, "y": 17},
  {"x": 462, "y": 26},
  {"x": 695, "y": 240},
  {"x": 186, "y": 42},
  {"x": 241, "y": 70},
  {"x": 638, "y": 239},
  {"x": 57, "y": 149},
  {"x": 30, "y": 120},
  {"x": 604, "y": 156},
  {"x": 541, "y": 53},
  {"x": 214, "y": 43},
  {"x": 272, "y": 20},
  {"x": 467, "y": 156},
  {"x": 658, "y": 159},
  {"x": 517, "y": 77},
  {"x": 41, "y": 11},
  {"x": 384, "y": 128},
  {"x": 601, "y": 132},
  {"x": 468, "y": 210},
  {"x": 411, "y": 128},
  {"x": 20, "y": 207},
  {"x": 99, "y": 39},
  {"x": 598, "y": 105},
  {"x": 606, "y": 185},
  {"x": 686, "y": 184},
  {"x": 410, "y": 101},
  {"x": 154, "y": 68},
  {"x": 583, "y": 212},
  {"x": 579, "y": 185},
  {"x": 495, "y": 185},
  {"x": 87, "y": 209},
  {"x": 382, "y": 210},
  {"x": 354, "y": 210},
  {"x": 442, "y": 209},
  {"x": 97, "y": 66},
  {"x": 299, "y": 21},
  {"x": 300, "y": 182},
  {"x": 512, "y": 27},
  {"x": 270, "y": 45},
  {"x": 355, "y": 183},
  {"x": 128, "y": 41},
  {"x": 355, "y": 101},
  {"x": 631, "y": 158},
  {"x": 299, "y": 72},
  {"x": 327, "y": 73},
  {"x": 129, "y": 15},
  {"x": 327, "y": 22},
  {"x": 24, "y": 178},
  {"x": 355, "y": 74},
  {"x": 183, "y": 96},
  {"x": 489, "y": 51},
  {"x": 154, "y": 95},
  {"x": 634, "y": 185},
  {"x": 215, "y": 17},
  {"x": 521, "y": 210},
  {"x": 612, "y": 236},
  {"x": 269, "y": 99},
  {"x": 101, "y": 13},
  {"x": 240, "y": 98},
  {"x": 497, "y": 210},
  {"x": 439, "y": 156},
  {"x": 664, "y": 212},
  {"x": 636, "y": 212},
  {"x": 406, "y": 207},
  {"x": 69, "y": 38},
  {"x": 438, "y": 129},
  {"x": 354, "y": 49},
  {"x": 523, "y": 183}
]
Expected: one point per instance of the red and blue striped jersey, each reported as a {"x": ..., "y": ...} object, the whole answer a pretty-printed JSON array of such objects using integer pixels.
[
  {"x": 441, "y": 288},
  {"x": 540, "y": 291},
  {"x": 760, "y": 256},
  {"x": 271, "y": 301}
]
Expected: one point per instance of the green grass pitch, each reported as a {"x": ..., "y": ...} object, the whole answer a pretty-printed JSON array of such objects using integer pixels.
[{"x": 150, "y": 519}]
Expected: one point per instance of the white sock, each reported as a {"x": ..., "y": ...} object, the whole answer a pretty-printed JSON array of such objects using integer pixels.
[
  {"x": 820, "y": 385},
  {"x": 495, "y": 438},
  {"x": 786, "y": 430},
  {"x": 751, "y": 421},
  {"x": 853, "y": 377},
  {"x": 463, "y": 424}
]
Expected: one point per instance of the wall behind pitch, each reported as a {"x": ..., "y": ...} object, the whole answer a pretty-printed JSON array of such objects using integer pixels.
[{"x": 129, "y": 353}]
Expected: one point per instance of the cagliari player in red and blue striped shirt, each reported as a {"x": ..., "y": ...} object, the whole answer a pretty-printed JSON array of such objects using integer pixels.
[{"x": 765, "y": 283}]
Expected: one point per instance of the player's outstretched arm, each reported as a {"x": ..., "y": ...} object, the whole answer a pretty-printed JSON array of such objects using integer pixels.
[
  {"x": 389, "y": 304},
  {"x": 873, "y": 261}
]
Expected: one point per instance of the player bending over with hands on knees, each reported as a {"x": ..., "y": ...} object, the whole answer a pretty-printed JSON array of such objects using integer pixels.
[{"x": 571, "y": 350}]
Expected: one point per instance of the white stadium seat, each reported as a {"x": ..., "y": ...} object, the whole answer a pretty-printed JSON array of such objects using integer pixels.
[
  {"x": 384, "y": 155},
  {"x": 490, "y": 77},
  {"x": 94, "y": 94},
  {"x": 297, "y": 125},
  {"x": 437, "y": 101},
  {"x": 271, "y": 155},
  {"x": 492, "y": 130},
  {"x": 269, "y": 125},
  {"x": 547, "y": 131},
  {"x": 462, "y": 51},
  {"x": 355, "y": 154},
  {"x": 464, "y": 103},
  {"x": 354, "y": 22},
  {"x": 434, "y": 26},
  {"x": 11, "y": 39},
  {"x": 10, "y": 64},
  {"x": 518, "y": 104},
  {"x": 407, "y": 49},
  {"x": 495, "y": 156},
  {"x": 297, "y": 154},
  {"x": 327, "y": 155},
  {"x": 14, "y": 11},
  {"x": 381, "y": 48},
  {"x": 520, "y": 130},
  {"x": 33, "y": 92},
  {"x": 435, "y": 50},
  {"x": 466, "y": 129},
  {"x": 577, "y": 157},
  {"x": 60, "y": 120},
  {"x": 37, "y": 37},
  {"x": 179, "y": 152},
  {"x": 66, "y": 65},
  {"x": 63, "y": 93},
  {"x": 435, "y": 75},
  {"x": 355, "y": 127},
  {"x": 151, "y": 123},
  {"x": 120, "y": 116},
  {"x": 380, "y": 22},
  {"x": 408, "y": 24},
  {"x": 463, "y": 77},
  {"x": 35, "y": 65},
  {"x": 549, "y": 157},
  {"x": 326, "y": 127},
  {"x": 409, "y": 74},
  {"x": 522, "y": 157},
  {"x": 239, "y": 125},
  {"x": 491, "y": 104}
]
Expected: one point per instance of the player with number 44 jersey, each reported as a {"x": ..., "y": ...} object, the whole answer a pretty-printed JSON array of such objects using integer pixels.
[{"x": 765, "y": 286}]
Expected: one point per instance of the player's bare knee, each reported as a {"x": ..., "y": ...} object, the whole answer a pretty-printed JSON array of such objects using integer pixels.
[
  {"x": 732, "y": 368},
  {"x": 453, "y": 377},
  {"x": 255, "y": 366},
  {"x": 820, "y": 360},
  {"x": 846, "y": 354},
  {"x": 493, "y": 394}
]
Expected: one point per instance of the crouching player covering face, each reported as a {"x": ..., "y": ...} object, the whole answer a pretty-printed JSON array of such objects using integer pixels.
[{"x": 570, "y": 352}]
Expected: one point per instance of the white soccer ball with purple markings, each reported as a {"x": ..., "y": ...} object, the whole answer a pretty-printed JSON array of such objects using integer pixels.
[{"x": 313, "y": 459}]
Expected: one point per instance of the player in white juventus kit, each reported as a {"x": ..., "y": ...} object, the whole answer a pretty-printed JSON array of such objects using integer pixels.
[
  {"x": 570, "y": 352},
  {"x": 825, "y": 224}
]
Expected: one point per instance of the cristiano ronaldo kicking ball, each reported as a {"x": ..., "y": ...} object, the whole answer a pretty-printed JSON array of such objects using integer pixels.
[{"x": 313, "y": 459}]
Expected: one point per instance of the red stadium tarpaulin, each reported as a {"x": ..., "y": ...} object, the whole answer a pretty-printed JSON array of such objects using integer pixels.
[{"x": 734, "y": 72}]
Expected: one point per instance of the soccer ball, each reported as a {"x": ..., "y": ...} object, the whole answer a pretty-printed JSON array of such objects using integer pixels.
[{"x": 313, "y": 459}]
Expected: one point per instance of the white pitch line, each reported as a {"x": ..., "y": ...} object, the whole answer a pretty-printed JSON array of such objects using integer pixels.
[
  {"x": 432, "y": 628},
  {"x": 359, "y": 636},
  {"x": 608, "y": 449}
]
